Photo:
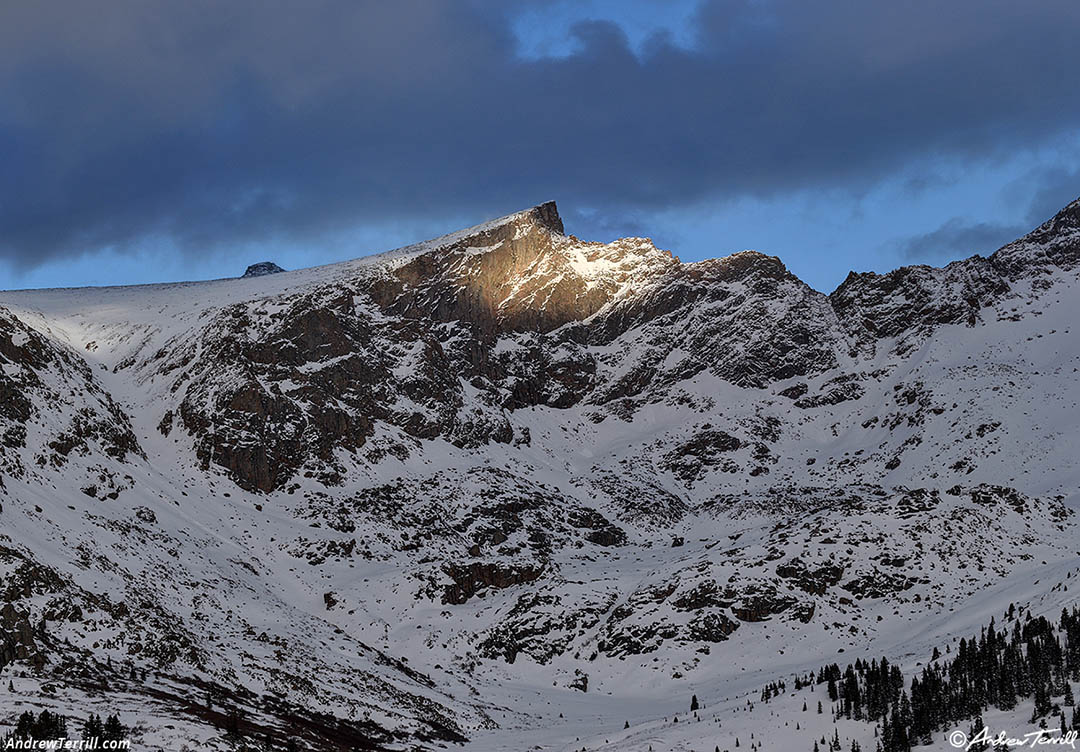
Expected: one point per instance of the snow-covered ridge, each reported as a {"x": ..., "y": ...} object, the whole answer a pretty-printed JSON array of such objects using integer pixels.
[{"x": 559, "y": 477}]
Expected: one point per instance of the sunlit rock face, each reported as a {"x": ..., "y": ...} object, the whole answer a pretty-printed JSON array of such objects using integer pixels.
[{"x": 521, "y": 275}]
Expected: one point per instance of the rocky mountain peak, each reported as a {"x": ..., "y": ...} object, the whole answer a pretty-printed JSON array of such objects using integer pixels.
[
  {"x": 519, "y": 273},
  {"x": 741, "y": 265},
  {"x": 1066, "y": 220},
  {"x": 262, "y": 268},
  {"x": 1054, "y": 243},
  {"x": 547, "y": 215},
  {"x": 910, "y": 302}
]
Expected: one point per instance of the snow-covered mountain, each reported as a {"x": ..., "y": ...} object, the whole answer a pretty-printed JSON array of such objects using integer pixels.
[{"x": 516, "y": 490}]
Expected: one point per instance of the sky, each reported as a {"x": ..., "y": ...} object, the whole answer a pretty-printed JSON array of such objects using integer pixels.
[{"x": 152, "y": 141}]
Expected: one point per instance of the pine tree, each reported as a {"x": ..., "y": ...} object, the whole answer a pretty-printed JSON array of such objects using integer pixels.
[
  {"x": 112, "y": 730},
  {"x": 693, "y": 703},
  {"x": 92, "y": 727},
  {"x": 1042, "y": 699},
  {"x": 45, "y": 725},
  {"x": 24, "y": 727},
  {"x": 900, "y": 737},
  {"x": 973, "y": 731}
]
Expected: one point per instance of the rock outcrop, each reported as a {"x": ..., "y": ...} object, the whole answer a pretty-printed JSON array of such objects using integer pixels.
[{"x": 261, "y": 269}]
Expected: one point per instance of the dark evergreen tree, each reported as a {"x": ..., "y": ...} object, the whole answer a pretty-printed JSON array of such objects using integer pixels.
[
  {"x": 973, "y": 732},
  {"x": 47, "y": 725},
  {"x": 993, "y": 669},
  {"x": 113, "y": 730},
  {"x": 24, "y": 727},
  {"x": 92, "y": 727}
]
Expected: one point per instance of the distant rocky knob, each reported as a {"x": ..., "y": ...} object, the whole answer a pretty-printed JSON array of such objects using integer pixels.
[{"x": 263, "y": 268}]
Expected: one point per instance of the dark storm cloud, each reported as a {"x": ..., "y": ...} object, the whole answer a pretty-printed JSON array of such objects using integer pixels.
[
  {"x": 1050, "y": 191},
  {"x": 1043, "y": 191},
  {"x": 210, "y": 122},
  {"x": 958, "y": 238}
]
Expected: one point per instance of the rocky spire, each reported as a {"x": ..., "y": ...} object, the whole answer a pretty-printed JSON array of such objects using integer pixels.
[{"x": 547, "y": 214}]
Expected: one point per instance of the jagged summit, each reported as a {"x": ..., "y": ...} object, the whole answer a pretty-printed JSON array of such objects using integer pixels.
[
  {"x": 909, "y": 302},
  {"x": 519, "y": 272},
  {"x": 547, "y": 214},
  {"x": 262, "y": 269},
  {"x": 1056, "y": 242}
]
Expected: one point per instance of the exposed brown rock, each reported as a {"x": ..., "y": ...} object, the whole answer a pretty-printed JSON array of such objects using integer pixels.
[
  {"x": 17, "y": 637},
  {"x": 469, "y": 579}
]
